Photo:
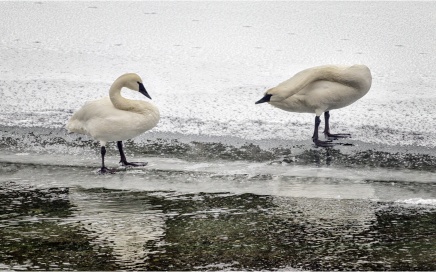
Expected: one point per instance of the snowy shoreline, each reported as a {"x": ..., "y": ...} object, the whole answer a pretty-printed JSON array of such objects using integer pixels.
[{"x": 205, "y": 68}]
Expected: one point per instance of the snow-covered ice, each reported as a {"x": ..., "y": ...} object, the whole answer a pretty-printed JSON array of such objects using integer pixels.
[{"x": 206, "y": 63}]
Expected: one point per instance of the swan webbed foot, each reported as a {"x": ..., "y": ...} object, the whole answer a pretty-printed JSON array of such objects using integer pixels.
[
  {"x": 123, "y": 160},
  {"x": 133, "y": 164},
  {"x": 105, "y": 170},
  {"x": 337, "y": 136}
]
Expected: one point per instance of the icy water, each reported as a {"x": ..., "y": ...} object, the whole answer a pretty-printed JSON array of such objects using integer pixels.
[
  {"x": 57, "y": 217},
  {"x": 230, "y": 185},
  {"x": 239, "y": 209}
]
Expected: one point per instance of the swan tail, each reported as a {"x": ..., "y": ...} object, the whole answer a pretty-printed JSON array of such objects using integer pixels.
[{"x": 74, "y": 126}]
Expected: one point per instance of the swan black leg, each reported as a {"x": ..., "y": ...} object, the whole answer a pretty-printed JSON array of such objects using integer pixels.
[
  {"x": 103, "y": 169},
  {"x": 123, "y": 160},
  {"x": 327, "y": 129},
  {"x": 315, "y": 135}
]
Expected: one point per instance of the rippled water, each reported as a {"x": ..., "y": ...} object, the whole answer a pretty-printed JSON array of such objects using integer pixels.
[
  {"x": 105, "y": 229},
  {"x": 218, "y": 205},
  {"x": 200, "y": 216}
]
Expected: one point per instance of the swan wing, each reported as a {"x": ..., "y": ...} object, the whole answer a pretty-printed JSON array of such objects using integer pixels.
[
  {"x": 356, "y": 76},
  {"x": 102, "y": 121},
  {"x": 79, "y": 122},
  {"x": 295, "y": 84}
]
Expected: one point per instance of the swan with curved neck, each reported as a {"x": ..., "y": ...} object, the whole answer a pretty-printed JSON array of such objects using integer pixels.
[
  {"x": 116, "y": 118},
  {"x": 319, "y": 90}
]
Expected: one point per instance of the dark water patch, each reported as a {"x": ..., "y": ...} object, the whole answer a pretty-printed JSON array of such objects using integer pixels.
[
  {"x": 35, "y": 236},
  {"x": 212, "y": 231},
  {"x": 261, "y": 233},
  {"x": 31, "y": 202},
  {"x": 405, "y": 235}
]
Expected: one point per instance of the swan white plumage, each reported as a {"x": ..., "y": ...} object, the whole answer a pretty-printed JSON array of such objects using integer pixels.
[
  {"x": 319, "y": 90},
  {"x": 116, "y": 118}
]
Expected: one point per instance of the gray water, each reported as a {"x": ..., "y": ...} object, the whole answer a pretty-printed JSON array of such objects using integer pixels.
[
  {"x": 92, "y": 226},
  {"x": 247, "y": 207}
]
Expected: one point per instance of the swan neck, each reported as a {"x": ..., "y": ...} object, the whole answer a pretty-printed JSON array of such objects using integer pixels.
[
  {"x": 343, "y": 76},
  {"x": 117, "y": 99},
  {"x": 314, "y": 75}
]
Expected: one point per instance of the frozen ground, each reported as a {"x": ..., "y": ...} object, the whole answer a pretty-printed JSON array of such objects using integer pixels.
[
  {"x": 206, "y": 63},
  {"x": 230, "y": 184}
]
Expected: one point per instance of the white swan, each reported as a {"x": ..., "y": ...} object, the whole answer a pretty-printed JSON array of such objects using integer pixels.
[
  {"x": 116, "y": 118},
  {"x": 319, "y": 90}
]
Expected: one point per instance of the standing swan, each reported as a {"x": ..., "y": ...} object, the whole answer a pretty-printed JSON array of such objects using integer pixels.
[
  {"x": 116, "y": 118},
  {"x": 319, "y": 90}
]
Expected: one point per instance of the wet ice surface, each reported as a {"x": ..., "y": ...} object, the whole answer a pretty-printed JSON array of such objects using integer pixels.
[
  {"x": 176, "y": 214},
  {"x": 230, "y": 185},
  {"x": 178, "y": 219}
]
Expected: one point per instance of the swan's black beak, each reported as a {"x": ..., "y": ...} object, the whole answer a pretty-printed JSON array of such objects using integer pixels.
[
  {"x": 143, "y": 90},
  {"x": 264, "y": 99}
]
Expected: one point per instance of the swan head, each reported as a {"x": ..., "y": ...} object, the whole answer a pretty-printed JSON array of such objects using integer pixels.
[
  {"x": 134, "y": 82},
  {"x": 272, "y": 95}
]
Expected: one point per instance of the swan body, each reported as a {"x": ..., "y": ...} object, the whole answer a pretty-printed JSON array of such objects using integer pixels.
[
  {"x": 319, "y": 90},
  {"x": 101, "y": 120},
  {"x": 116, "y": 118}
]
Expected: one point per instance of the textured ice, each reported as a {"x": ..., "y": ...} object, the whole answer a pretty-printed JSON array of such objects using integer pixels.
[
  {"x": 418, "y": 201},
  {"x": 206, "y": 63}
]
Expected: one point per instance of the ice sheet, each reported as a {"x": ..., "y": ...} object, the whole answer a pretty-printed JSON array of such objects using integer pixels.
[{"x": 206, "y": 63}]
